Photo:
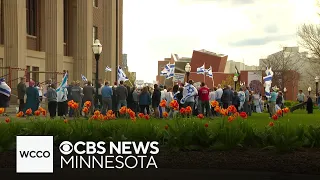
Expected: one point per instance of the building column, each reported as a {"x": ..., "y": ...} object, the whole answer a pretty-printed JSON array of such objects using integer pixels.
[
  {"x": 54, "y": 38},
  {"x": 83, "y": 57},
  {"x": 15, "y": 38},
  {"x": 109, "y": 38}
]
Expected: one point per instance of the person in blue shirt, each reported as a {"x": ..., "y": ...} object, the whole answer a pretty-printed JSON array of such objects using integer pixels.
[
  {"x": 272, "y": 100},
  {"x": 106, "y": 93}
]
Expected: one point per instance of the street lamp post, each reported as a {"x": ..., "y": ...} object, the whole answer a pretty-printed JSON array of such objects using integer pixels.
[
  {"x": 284, "y": 92},
  {"x": 317, "y": 83},
  {"x": 187, "y": 68},
  {"x": 309, "y": 90},
  {"x": 97, "y": 49},
  {"x": 235, "y": 79}
]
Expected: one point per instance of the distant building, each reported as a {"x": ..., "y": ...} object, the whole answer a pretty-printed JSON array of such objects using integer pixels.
[
  {"x": 221, "y": 68},
  {"x": 230, "y": 67}
]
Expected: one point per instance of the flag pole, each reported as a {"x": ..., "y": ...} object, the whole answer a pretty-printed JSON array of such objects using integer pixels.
[{"x": 204, "y": 73}]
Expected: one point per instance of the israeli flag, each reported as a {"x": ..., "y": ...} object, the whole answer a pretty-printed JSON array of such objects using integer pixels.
[
  {"x": 189, "y": 91},
  {"x": 108, "y": 69},
  {"x": 164, "y": 72},
  {"x": 170, "y": 68},
  {"x": 84, "y": 78},
  {"x": 121, "y": 75},
  {"x": 209, "y": 72},
  {"x": 268, "y": 81},
  {"x": 4, "y": 88},
  {"x": 62, "y": 91},
  {"x": 201, "y": 70}
]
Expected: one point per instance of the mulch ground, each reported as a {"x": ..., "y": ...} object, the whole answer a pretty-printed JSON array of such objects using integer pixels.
[{"x": 305, "y": 161}]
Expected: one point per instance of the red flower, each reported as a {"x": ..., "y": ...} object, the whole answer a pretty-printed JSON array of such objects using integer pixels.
[
  {"x": 243, "y": 115},
  {"x": 206, "y": 125},
  {"x": 166, "y": 127},
  {"x": 232, "y": 109},
  {"x": 7, "y": 120},
  {"x": 275, "y": 117},
  {"x": 271, "y": 124},
  {"x": 200, "y": 116},
  {"x": 147, "y": 117},
  {"x": 182, "y": 111}
]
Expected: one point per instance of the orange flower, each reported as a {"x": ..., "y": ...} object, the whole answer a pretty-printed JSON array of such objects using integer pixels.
[
  {"x": 232, "y": 109},
  {"x": 286, "y": 110},
  {"x": 123, "y": 110},
  {"x": 279, "y": 112},
  {"x": 110, "y": 112},
  {"x": 95, "y": 117},
  {"x": 206, "y": 125},
  {"x": 214, "y": 103},
  {"x": 65, "y": 120},
  {"x": 44, "y": 112},
  {"x": 37, "y": 113},
  {"x": 200, "y": 116},
  {"x": 70, "y": 103},
  {"x": 217, "y": 109},
  {"x": 174, "y": 105},
  {"x": 1, "y": 110},
  {"x": 275, "y": 117},
  {"x": 163, "y": 103},
  {"x": 271, "y": 124},
  {"x": 141, "y": 115},
  {"x": 97, "y": 113},
  {"x": 165, "y": 114},
  {"x": 224, "y": 112},
  {"x": 182, "y": 111},
  {"x": 133, "y": 119},
  {"x": 188, "y": 110},
  {"x": 231, "y": 118},
  {"x": 147, "y": 117},
  {"x": 20, "y": 114},
  {"x": 7, "y": 120},
  {"x": 87, "y": 104},
  {"x": 85, "y": 110},
  {"x": 166, "y": 127},
  {"x": 41, "y": 109},
  {"x": 28, "y": 111},
  {"x": 236, "y": 114},
  {"x": 243, "y": 115}
]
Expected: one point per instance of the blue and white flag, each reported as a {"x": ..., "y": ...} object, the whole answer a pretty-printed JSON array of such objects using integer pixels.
[
  {"x": 84, "y": 79},
  {"x": 209, "y": 72},
  {"x": 108, "y": 69},
  {"x": 189, "y": 91},
  {"x": 201, "y": 70},
  {"x": 121, "y": 75},
  {"x": 170, "y": 70},
  {"x": 4, "y": 88},
  {"x": 164, "y": 72},
  {"x": 268, "y": 81},
  {"x": 62, "y": 91}
]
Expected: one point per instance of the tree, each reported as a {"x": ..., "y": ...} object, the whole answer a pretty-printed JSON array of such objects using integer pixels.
[
  {"x": 284, "y": 64},
  {"x": 229, "y": 81}
]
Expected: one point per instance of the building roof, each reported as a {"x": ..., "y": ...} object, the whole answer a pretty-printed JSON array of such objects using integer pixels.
[{"x": 212, "y": 53}]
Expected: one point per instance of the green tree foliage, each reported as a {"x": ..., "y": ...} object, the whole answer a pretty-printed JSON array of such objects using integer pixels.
[{"x": 229, "y": 81}]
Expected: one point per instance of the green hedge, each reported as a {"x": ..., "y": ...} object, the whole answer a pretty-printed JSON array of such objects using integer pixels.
[{"x": 186, "y": 134}]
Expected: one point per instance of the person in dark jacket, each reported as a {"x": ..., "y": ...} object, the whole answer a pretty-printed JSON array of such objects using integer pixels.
[
  {"x": 144, "y": 101},
  {"x": 22, "y": 88},
  {"x": 114, "y": 98},
  {"x": 227, "y": 97},
  {"x": 235, "y": 100},
  {"x": 76, "y": 96},
  {"x": 130, "y": 98},
  {"x": 88, "y": 93},
  {"x": 309, "y": 105},
  {"x": 180, "y": 96},
  {"x": 156, "y": 96},
  {"x": 122, "y": 94}
]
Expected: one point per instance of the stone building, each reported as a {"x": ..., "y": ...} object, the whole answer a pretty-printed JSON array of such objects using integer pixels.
[{"x": 42, "y": 38}]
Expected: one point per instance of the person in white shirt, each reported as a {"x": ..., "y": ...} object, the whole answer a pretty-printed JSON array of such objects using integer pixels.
[
  {"x": 219, "y": 93},
  {"x": 163, "y": 93},
  {"x": 39, "y": 88},
  {"x": 62, "y": 99}
]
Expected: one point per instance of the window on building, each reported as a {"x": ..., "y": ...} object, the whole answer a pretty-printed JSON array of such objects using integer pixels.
[
  {"x": 95, "y": 3},
  {"x": 65, "y": 20},
  {"x": 31, "y": 17},
  {"x": 35, "y": 75},
  {"x": 95, "y": 33}
]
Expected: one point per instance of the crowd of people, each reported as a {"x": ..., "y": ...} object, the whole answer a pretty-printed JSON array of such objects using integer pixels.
[{"x": 147, "y": 99}]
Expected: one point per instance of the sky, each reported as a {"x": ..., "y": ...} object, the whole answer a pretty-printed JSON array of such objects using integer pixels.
[{"x": 245, "y": 30}]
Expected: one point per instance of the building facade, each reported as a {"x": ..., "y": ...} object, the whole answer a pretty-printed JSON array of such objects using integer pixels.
[{"x": 42, "y": 38}]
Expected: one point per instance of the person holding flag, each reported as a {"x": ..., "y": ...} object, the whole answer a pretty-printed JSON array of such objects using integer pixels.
[
  {"x": 62, "y": 97},
  {"x": 189, "y": 93}
]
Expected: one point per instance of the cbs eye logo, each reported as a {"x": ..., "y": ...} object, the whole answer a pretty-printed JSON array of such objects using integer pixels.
[{"x": 66, "y": 147}]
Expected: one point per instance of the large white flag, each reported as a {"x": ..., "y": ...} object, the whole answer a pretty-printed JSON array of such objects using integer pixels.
[
  {"x": 121, "y": 75},
  {"x": 201, "y": 70}
]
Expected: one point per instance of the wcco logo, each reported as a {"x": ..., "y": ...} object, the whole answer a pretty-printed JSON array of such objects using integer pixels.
[{"x": 34, "y": 154}]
